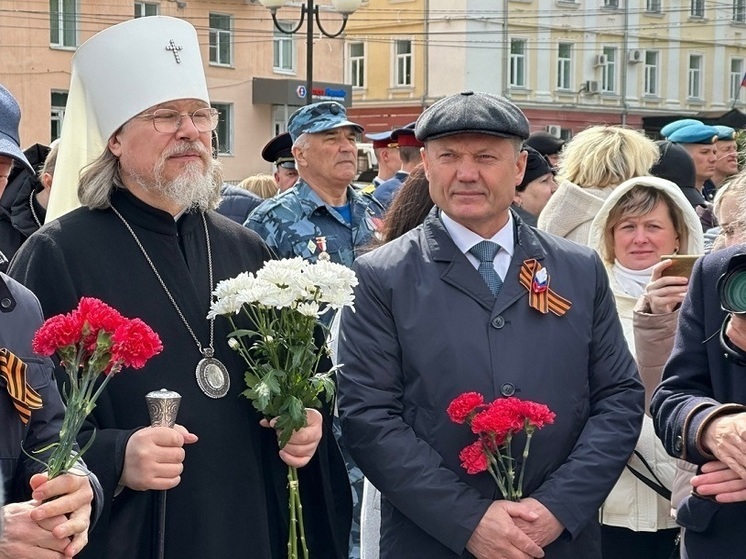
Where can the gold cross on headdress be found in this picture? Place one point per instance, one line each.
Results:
(175, 49)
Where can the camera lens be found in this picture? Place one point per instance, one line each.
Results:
(732, 288)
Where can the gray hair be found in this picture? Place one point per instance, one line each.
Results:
(98, 180)
(303, 141)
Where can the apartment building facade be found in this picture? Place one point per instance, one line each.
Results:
(567, 63)
(255, 74)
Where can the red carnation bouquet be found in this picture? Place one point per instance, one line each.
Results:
(91, 340)
(496, 425)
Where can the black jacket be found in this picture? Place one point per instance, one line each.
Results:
(17, 205)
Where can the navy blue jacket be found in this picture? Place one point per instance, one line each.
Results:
(698, 382)
(237, 203)
(425, 329)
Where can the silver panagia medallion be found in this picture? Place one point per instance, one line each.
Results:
(212, 377)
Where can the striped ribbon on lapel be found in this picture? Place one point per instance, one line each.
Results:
(13, 371)
(540, 297)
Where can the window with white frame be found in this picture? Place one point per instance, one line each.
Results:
(144, 9)
(403, 63)
(63, 23)
(611, 3)
(356, 56)
(223, 137)
(698, 8)
(283, 57)
(653, 6)
(736, 77)
(564, 66)
(651, 72)
(280, 115)
(58, 102)
(739, 11)
(608, 78)
(220, 39)
(694, 82)
(518, 63)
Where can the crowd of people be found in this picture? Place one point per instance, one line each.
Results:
(490, 260)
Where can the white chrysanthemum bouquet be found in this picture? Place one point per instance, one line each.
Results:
(285, 301)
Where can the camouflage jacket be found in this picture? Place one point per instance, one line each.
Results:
(297, 222)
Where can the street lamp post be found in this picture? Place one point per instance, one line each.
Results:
(309, 12)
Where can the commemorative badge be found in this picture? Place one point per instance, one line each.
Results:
(321, 246)
(535, 278)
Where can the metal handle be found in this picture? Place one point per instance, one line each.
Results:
(163, 406)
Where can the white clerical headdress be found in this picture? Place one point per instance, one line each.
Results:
(117, 74)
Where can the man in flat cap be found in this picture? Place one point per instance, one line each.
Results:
(279, 151)
(322, 216)
(473, 300)
(387, 156)
(409, 154)
(148, 242)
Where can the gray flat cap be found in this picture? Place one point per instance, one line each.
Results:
(472, 112)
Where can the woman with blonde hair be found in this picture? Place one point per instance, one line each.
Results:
(262, 185)
(591, 166)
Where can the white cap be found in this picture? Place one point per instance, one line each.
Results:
(117, 74)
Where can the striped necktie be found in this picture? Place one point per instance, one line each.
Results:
(485, 252)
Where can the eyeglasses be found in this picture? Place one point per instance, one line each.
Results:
(168, 121)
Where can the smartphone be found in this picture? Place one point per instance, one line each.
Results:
(682, 264)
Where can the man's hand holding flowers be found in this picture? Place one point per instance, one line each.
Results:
(303, 443)
(45, 528)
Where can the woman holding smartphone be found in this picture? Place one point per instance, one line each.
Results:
(642, 221)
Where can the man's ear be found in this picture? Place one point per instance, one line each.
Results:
(300, 157)
(115, 146)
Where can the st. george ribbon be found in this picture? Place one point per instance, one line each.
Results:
(163, 406)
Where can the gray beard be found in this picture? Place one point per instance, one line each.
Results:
(191, 189)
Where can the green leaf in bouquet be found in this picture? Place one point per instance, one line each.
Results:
(271, 381)
(243, 332)
(250, 379)
(261, 394)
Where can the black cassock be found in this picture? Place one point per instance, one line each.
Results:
(232, 499)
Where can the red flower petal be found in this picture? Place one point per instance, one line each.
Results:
(473, 458)
(463, 405)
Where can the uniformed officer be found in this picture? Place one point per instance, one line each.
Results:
(322, 216)
(409, 153)
(387, 156)
(699, 141)
(727, 157)
(279, 151)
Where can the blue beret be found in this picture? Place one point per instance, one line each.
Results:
(672, 127)
(694, 134)
(319, 117)
(380, 135)
(725, 132)
(472, 112)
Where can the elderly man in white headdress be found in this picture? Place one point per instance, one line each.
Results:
(146, 241)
